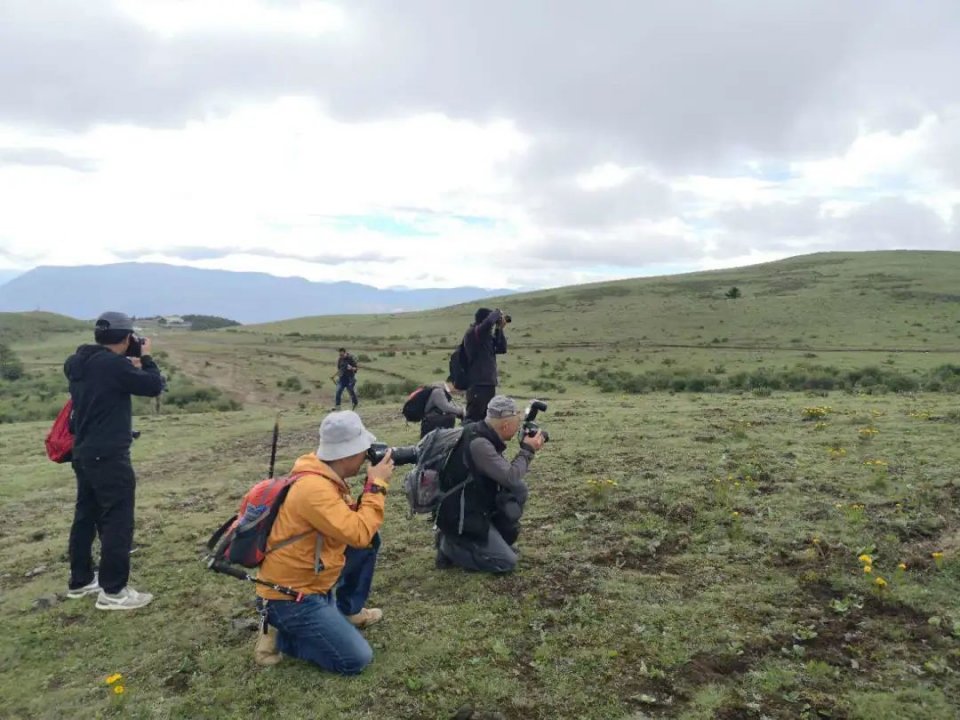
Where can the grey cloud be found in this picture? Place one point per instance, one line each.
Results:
(203, 253)
(686, 85)
(888, 223)
(45, 157)
(624, 248)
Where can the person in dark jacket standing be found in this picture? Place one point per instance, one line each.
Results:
(102, 380)
(440, 410)
(483, 341)
(478, 524)
(346, 377)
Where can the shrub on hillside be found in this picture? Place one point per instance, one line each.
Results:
(10, 366)
(208, 322)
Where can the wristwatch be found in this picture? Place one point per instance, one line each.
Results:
(375, 488)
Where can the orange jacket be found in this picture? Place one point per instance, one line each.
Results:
(319, 504)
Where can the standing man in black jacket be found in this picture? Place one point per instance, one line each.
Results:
(346, 377)
(483, 341)
(102, 379)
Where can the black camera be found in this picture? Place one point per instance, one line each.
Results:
(529, 427)
(135, 348)
(401, 455)
(507, 319)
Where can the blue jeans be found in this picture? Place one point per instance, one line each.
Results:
(348, 386)
(316, 628)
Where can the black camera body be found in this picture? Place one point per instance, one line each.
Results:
(135, 348)
(529, 427)
(401, 455)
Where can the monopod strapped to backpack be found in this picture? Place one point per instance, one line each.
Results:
(242, 540)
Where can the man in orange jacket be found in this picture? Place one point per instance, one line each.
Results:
(332, 560)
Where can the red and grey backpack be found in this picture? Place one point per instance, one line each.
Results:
(242, 540)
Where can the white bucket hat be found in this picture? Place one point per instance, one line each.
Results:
(342, 434)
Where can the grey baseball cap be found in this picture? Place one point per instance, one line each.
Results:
(342, 434)
(115, 321)
(502, 406)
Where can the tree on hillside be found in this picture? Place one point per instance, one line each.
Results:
(733, 293)
(208, 322)
(10, 366)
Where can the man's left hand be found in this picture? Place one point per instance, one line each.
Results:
(136, 362)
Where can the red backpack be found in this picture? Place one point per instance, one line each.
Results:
(59, 440)
(242, 540)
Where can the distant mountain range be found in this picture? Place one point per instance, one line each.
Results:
(149, 289)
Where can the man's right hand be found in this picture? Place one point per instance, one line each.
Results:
(382, 471)
(536, 442)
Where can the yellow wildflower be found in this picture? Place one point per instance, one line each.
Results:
(867, 569)
(902, 566)
(118, 690)
(113, 678)
(736, 514)
(865, 559)
(880, 582)
(816, 541)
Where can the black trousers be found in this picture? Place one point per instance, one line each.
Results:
(434, 420)
(478, 397)
(105, 499)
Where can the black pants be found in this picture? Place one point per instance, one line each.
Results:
(105, 500)
(478, 397)
(434, 420)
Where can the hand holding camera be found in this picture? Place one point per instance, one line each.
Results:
(138, 346)
(530, 432)
(534, 442)
(381, 472)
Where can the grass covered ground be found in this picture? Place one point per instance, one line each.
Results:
(688, 553)
(684, 556)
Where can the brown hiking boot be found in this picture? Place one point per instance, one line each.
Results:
(265, 652)
(366, 617)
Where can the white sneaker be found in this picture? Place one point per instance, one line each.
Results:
(126, 599)
(89, 589)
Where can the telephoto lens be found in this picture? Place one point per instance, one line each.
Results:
(401, 455)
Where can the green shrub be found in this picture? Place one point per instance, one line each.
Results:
(370, 389)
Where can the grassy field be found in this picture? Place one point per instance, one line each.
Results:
(686, 554)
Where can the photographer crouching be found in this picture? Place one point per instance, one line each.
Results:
(479, 523)
(324, 545)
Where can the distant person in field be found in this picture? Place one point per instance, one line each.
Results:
(102, 378)
(441, 411)
(333, 559)
(346, 377)
(479, 524)
(483, 341)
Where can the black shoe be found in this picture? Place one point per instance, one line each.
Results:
(443, 562)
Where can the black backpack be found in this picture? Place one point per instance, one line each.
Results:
(460, 367)
(415, 408)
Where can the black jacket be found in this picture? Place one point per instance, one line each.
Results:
(482, 348)
(101, 383)
(470, 511)
(346, 374)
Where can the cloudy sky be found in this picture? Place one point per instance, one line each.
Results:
(541, 142)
